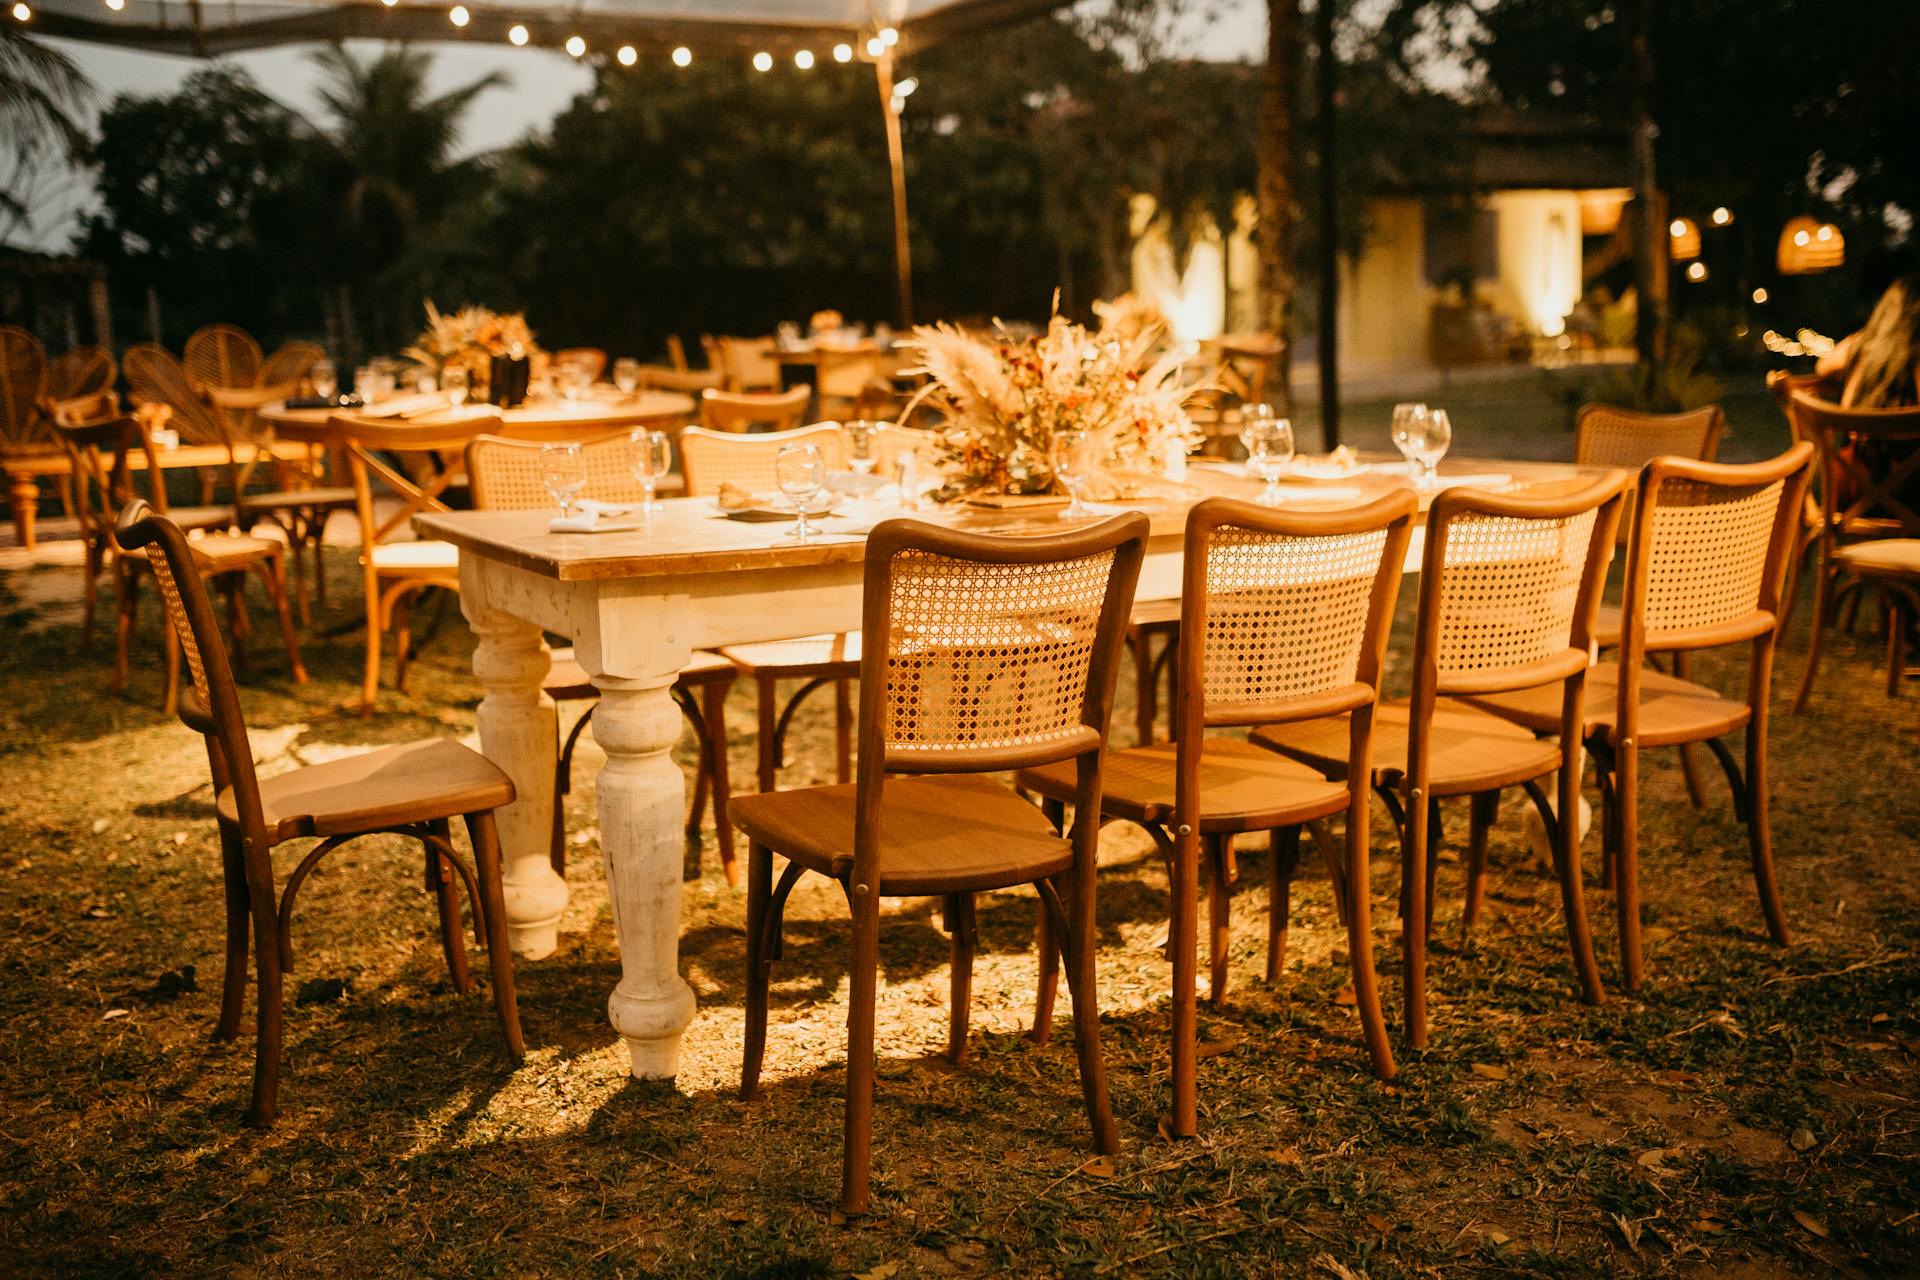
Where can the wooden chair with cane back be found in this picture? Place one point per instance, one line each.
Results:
(988, 654)
(1869, 533)
(714, 458)
(1509, 584)
(103, 490)
(1706, 560)
(751, 364)
(415, 790)
(286, 371)
(849, 383)
(745, 411)
(1292, 610)
(222, 356)
(505, 475)
(1781, 385)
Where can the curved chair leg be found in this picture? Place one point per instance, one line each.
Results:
(562, 788)
(713, 697)
(1689, 753)
(1484, 811)
(961, 925)
(1897, 618)
(370, 672)
(486, 863)
(272, 576)
(1219, 915)
(1759, 824)
(1822, 602)
(1047, 944)
(863, 979)
(440, 882)
(402, 637)
(233, 983)
(1086, 1014)
(1283, 859)
(1140, 646)
(1413, 917)
(170, 661)
(759, 965)
(269, 1007)
(843, 730)
(1566, 864)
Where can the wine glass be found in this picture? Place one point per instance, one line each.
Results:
(1404, 418)
(652, 457)
(326, 379)
(860, 436)
(574, 381)
(1071, 455)
(626, 375)
(563, 468)
(1269, 443)
(453, 381)
(801, 475)
(1428, 440)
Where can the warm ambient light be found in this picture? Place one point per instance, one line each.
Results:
(458, 15)
(1696, 271)
(889, 37)
(517, 34)
(843, 53)
(1684, 239)
(804, 59)
(627, 55)
(116, 5)
(763, 61)
(576, 46)
(907, 86)
(1721, 215)
(21, 13)
(1760, 296)
(876, 47)
(682, 56)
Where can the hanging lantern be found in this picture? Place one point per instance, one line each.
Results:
(1600, 211)
(1807, 247)
(1683, 239)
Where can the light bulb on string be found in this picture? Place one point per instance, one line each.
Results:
(843, 53)
(682, 56)
(628, 55)
(1721, 215)
(763, 61)
(459, 16)
(906, 87)
(22, 13)
(889, 37)
(875, 47)
(804, 59)
(517, 34)
(116, 5)
(1760, 297)
(576, 46)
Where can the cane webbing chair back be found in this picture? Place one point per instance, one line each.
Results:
(1607, 436)
(156, 378)
(506, 475)
(23, 368)
(750, 363)
(1859, 497)
(714, 458)
(289, 366)
(222, 356)
(1509, 585)
(81, 371)
(743, 411)
(846, 375)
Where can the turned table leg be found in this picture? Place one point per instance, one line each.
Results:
(23, 493)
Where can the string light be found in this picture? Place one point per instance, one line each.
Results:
(459, 16)
(1760, 297)
(517, 34)
(627, 55)
(875, 47)
(116, 5)
(763, 61)
(889, 37)
(1802, 239)
(1721, 215)
(843, 53)
(906, 87)
(1696, 271)
(804, 59)
(21, 13)
(576, 46)
(682, 56)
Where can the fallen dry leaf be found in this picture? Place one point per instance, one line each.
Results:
(1802, 1139)
(1487, 1071)
(885, 1271)
(1098, 1167)
(1810, 1222)
(1345, 996)
(1629, 1231)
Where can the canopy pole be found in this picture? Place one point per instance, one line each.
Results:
(1329, 223)
(897, 165)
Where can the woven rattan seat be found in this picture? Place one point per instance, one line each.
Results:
(1672, 711)
(390, 787)
(1472, 751)
(1242, 787)
(937, 835)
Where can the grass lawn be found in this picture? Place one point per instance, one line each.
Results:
(1752, 1112)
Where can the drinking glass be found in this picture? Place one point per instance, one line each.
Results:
(326, 379)
(652, 456)
(363, 383)
(1404, 418)
(1072, 457)
(1269, 444)
(382, 382)
(453, 381)
(574, 381)
(626, 375)
(1428, 439)
(801, 475)
(563, 468)
(860, 445)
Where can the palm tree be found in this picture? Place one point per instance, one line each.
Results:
(41, 90)
(1275, 185)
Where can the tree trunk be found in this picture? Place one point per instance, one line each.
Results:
(1275, 231)
(1329, 320)
(1649, 236)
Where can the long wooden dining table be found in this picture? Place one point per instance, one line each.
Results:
(638, 604)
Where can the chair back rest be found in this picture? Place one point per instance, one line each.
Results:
(1862, 490)
(100, 454)
(286, 370)
(744, 410)
(1606, 436)
(984, 653)
(377, 448)
(846, 375)
(23, 369)
(676, 352)
(155, 377)
(1509, 584)
(714, 458)
(211, 702)
(1708, 551)
(506, 475)
(81, 371)
(750, 363)
(592, 359)
(1285, 614)
(686, 381)
(223, 356)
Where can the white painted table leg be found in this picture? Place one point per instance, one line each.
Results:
(517, 732)
(642, 797)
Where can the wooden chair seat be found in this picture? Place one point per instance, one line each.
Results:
(940, 835)
(220, 551)
(1472, 750)
(1156, 613)
(807, 656)
(1883, 557)
(329, 497)
(567, 679)
(202, 517)
(1242, 787)
(411, 557)
(391, 787)
(1672, 711)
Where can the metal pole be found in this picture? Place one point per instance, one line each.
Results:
(896, 163)
(1329, 222)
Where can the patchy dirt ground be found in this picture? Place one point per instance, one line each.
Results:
(1752, 1113)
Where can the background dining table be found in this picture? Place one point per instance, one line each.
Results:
(548, 419)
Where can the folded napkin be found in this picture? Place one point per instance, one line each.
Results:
(593, 517)
(397, 406)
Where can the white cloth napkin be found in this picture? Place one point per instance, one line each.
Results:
(593, 517)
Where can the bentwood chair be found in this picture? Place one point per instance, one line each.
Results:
(1292, 611)
(505, 475)
(1869, 533)
(751, 364)
(1705, 563)
(216, 556)
(1508, 588)
(744, 411)
(414, 790)
(989, 654)
(746, 462)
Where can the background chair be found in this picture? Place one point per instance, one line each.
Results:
(80, 372)
(284, 373)
(989, 654)
(850, 384)
(23, 438)
(754, 410)
(751, 364)
(506, 475)
(408, 790)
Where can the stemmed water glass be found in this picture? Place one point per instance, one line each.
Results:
(1269, 444)
(1072, 458)
(860, 435)
(652, 456)
(801, 474)
(1405, 419)
(326, 379)
(626, 375)
(1424, 438)
(574, 381)
(563, 468)
(453, 381)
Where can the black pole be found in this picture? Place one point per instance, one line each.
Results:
(1329, 251)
